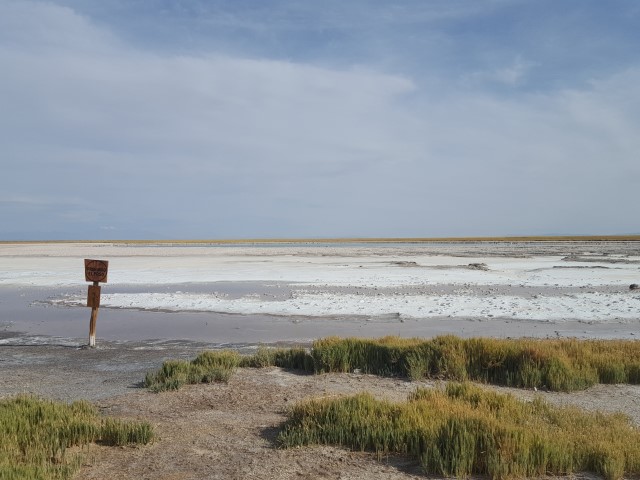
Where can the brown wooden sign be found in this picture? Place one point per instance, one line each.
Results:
(93, 297)
(95, 270)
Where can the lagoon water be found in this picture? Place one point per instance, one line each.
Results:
(269, 293)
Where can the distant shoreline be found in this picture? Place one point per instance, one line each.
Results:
(258, 241)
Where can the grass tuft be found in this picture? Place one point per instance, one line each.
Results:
(291, 358)
(465, 430)
(207, 367)
(35, 435)
(558, 365)
(118, 433)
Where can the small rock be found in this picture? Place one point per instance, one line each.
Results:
(478, 266)
(634, 286)
(405, 264)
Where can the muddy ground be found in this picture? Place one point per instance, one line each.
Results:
(223, 431)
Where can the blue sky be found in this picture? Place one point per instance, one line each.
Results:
(161, 119)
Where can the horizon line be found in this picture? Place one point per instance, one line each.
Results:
(232, 241)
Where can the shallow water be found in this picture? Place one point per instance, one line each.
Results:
(26, 310)
(250, 294)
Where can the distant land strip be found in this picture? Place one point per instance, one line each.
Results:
(550, 238)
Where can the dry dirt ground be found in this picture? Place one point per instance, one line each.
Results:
(222, 431)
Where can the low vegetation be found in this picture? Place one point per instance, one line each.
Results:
(290, 358)
(466, 430)
(35, 436)
(559, 365)
(207, 367)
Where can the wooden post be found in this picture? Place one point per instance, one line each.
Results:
(94, 315)
(94, 271)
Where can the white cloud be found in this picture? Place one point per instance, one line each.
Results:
(130, 99)
(214, 144)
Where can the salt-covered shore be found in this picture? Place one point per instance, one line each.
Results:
(191, 293)
(564, 283)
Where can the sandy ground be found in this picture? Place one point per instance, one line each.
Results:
(182, 300)
(224, 431)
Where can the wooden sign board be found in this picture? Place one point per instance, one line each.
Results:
(93, 297)
(95, 270)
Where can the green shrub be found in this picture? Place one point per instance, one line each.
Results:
(35, 435)
(291, 358)
(207, 367)
(465, 430)
(561, 365)
(227, 359)
(118, 433)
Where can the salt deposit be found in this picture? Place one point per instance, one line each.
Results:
(323, 281)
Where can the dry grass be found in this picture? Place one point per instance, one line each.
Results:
(35, 435)
(218, 366)
(466, 430)
(562, 365)
(463, 430)
(559, 365)
(207, 367)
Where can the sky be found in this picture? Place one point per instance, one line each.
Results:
(220, 119)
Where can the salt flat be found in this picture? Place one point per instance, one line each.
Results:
(537, 282)
(238, 297)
